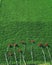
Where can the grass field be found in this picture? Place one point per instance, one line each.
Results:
(26, 10)
(38, 64)
(26, 20)
(17, 31)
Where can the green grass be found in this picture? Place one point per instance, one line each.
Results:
(25, 20)
(35, 63)
(26, 10)
(14, 32)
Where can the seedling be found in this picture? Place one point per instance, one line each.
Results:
(32, 41)
(23, 55)
(10, 55)
(15, 45)
(24, 44)
(47, 46)
(9, 46)
(24, 47)
(44, 56)
(6, 59)
(24, 60)
(20, 51)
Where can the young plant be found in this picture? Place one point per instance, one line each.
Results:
(9, 46)
(47, 46)
(23, 59)
(6, 59)
(20, 53)
(32, 41)
(10, 55)
(15, 46)
(44, 56)
(23, 53)
(24, 46)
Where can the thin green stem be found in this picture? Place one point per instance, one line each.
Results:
(15, 57)
(44, 55)
(6, 59)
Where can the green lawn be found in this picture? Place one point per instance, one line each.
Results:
(16, 31)
(26, 10)
(25, 20)
(37, 64)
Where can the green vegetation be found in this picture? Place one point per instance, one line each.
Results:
(26, 20)
(14, 32)
(26, 10)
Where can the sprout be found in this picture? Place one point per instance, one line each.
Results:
(10, 54)
(47, 46)
(32, 41)
(24, 45)
(20, 51)
(21, 54)
(6, 59)
(41, 46)
(9, 46)
(15, 46)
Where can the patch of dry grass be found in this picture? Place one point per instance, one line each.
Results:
(45, 64)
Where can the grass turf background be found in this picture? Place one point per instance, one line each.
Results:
(25, 20)
(26, 10)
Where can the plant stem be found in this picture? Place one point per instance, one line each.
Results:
(20, 58)
(10, 61)
(15, 57)
(6, 59)
(31, 54)
(7, 49)
(24, 49)
(44, 55)
(49, 54)
(24, 59)
(23, 55)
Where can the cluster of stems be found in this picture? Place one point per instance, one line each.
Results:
(22, 54)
